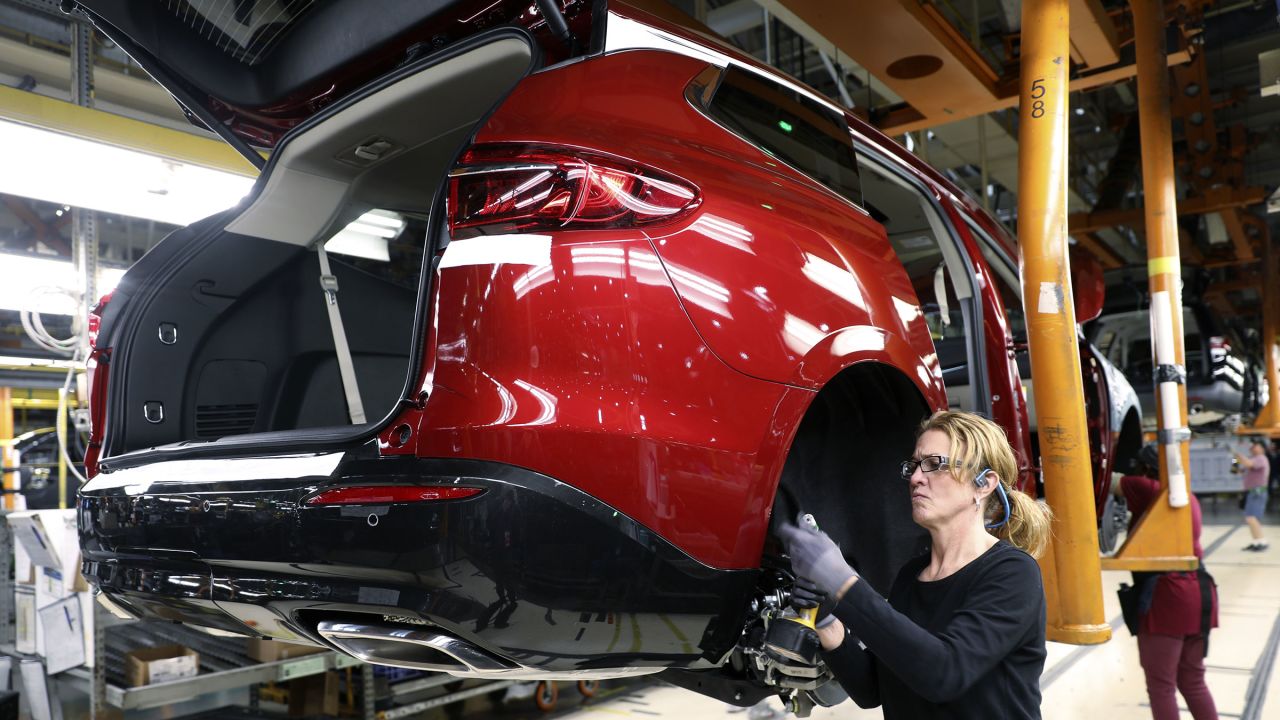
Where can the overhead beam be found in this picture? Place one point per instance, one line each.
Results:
(909, 118)
(1250, 282)
(1235, 230)
(1188, 246)
(1099, 249)
(63, 117)
(53, 71)
(1094, 40)
(1215, 202)
(1221, 305)
(905, 44)
(44, 233)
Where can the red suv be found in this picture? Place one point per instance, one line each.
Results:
(531, 321)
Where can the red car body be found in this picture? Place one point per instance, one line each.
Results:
(665, 370)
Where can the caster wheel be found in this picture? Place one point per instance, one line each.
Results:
(546, 695)
(588, 688)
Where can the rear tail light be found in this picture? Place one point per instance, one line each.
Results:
(520, 188)
(388, 494)
(96, 371)
(95, 319)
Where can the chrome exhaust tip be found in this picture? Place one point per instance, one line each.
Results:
(424, 649)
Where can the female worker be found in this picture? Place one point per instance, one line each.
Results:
(962, 635)
(1175, 610)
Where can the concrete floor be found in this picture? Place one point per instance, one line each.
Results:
(1103, 681)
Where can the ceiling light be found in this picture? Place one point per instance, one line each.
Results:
(75, 172)
(367, 235)
(20, 275)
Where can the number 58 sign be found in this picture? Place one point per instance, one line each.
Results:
(1037, 93)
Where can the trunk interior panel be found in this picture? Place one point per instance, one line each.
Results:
(227, 335)
(254, 351)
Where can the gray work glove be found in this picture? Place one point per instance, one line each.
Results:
(814, 556)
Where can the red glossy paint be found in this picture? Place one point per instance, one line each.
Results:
(727, 281)
(665, 371)
(583, 366)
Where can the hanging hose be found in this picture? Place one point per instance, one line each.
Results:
(62, 430)
(31, 322)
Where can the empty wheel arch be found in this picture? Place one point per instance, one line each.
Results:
(843, 468)
(1113, 520)
(1128, 442)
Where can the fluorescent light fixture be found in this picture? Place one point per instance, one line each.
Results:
(383, 218)
(367, 235)
(20, 275)
(68, 170)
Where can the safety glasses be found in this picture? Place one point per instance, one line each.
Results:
(927, 463)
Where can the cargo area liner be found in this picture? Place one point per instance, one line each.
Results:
(313, 186)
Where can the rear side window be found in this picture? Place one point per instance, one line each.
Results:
(790, 126)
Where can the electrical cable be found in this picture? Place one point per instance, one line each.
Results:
(62, 426)
(34, 326)
(29, 314)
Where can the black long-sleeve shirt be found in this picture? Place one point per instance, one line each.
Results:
(970, 645)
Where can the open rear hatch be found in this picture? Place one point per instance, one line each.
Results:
(229, 334)
(252, 70)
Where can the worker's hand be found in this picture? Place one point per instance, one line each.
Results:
(806, 595)
(816, 557)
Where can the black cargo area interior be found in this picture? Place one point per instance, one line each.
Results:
(224, 331)
(240, 342)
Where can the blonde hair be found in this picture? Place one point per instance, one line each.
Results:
(977, 444)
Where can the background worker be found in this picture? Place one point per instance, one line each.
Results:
(962, 633)
(1176, 609)
(1257, 470)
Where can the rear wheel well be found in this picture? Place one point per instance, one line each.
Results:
(1128, 442)
(843, 468)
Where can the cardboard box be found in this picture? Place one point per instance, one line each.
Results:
(160, 664)
(314, 695)
(272, 650)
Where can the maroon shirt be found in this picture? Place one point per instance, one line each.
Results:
(1175, 607)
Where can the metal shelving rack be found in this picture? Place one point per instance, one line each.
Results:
(223, 662)
(224, 666)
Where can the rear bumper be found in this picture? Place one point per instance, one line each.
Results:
(532, 571)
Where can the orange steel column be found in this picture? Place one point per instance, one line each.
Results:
(1268, 420)
(6, 435)
(1072, 575)
(1161, 540)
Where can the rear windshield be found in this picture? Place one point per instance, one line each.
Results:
(244, 29)
(790, 126)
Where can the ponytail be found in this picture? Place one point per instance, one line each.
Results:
(1029, 522)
